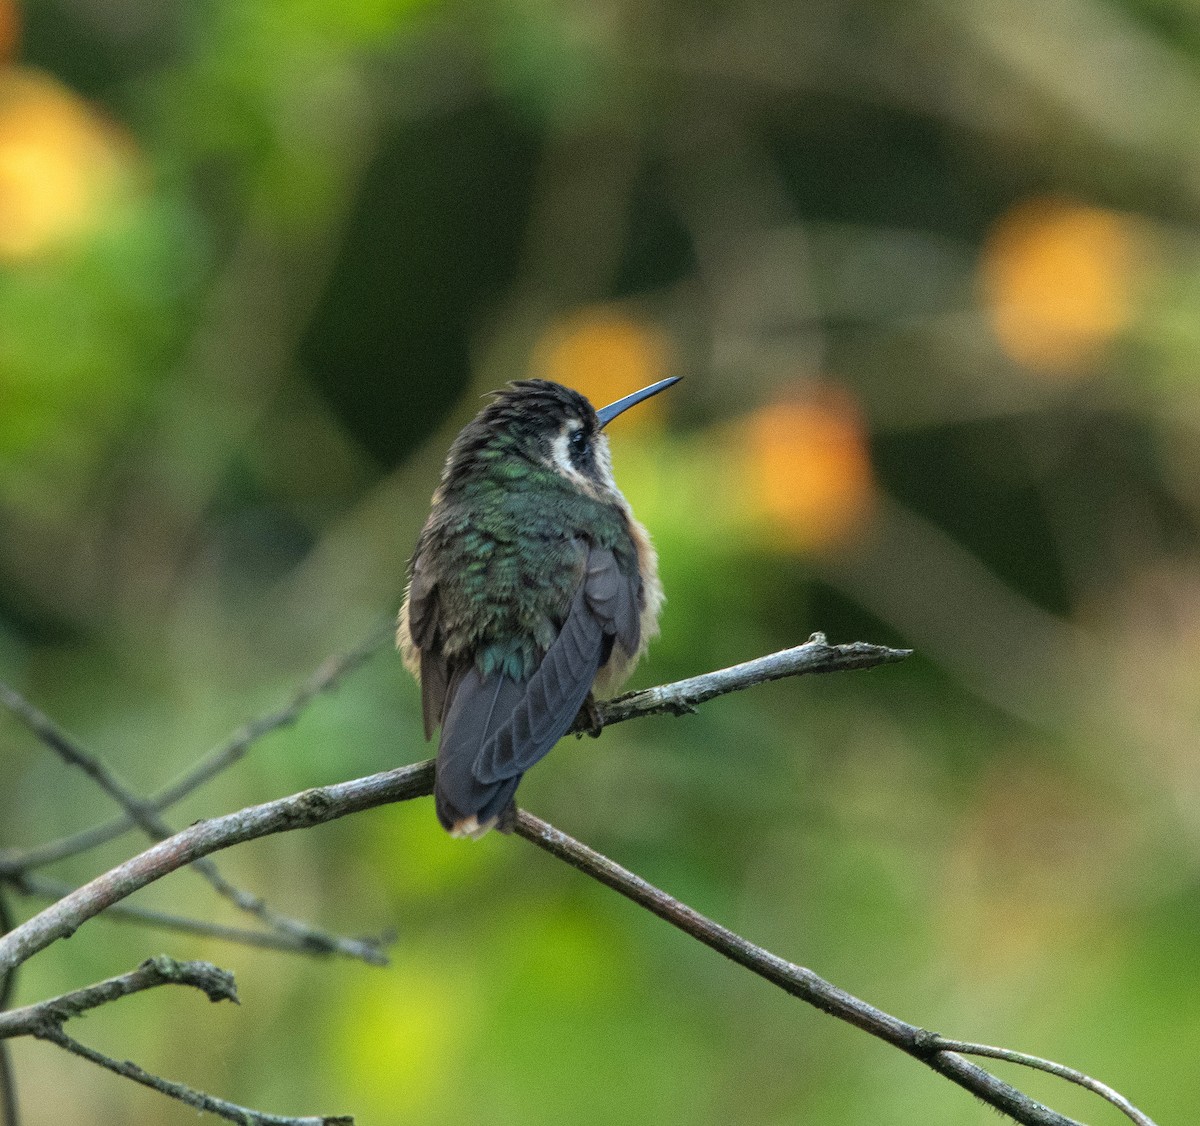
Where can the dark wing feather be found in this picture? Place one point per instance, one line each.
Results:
(550, 701)
(424, 626)
(614, 598)
(478, 706)
(422, 605)
(557, 690)
(435, 675)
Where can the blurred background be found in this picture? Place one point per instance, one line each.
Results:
(932, 273)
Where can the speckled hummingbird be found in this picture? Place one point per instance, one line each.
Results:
(532, 588)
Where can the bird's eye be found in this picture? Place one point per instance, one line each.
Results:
(578, 440)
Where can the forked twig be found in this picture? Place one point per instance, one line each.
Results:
(1070, 1074)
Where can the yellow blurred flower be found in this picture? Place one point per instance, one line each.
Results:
(1058, 280)
(605, 354)
(60, 163)
(807, 468)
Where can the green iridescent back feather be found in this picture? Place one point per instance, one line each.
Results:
(507, 542)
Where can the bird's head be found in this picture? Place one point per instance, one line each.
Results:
(548, 425)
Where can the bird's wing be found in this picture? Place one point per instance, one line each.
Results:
(528, 719)
(435, 674)
(424, 629)
(614, 598)
(478, 705)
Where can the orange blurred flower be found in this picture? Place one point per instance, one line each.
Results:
(60, 163)
(808, 468)
(1058, 280)
(605, 354)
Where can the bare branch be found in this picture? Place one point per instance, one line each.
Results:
(32, 1020)
(45, 1021)
(30, 884)
(941, 1055)
(156, 828)
(1070, 1074)
(327, 677)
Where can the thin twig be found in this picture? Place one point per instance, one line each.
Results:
(32, 884)
(157, 829)
(1070, 1074)
(796, 980)
(216, 984)
(8, 980)
(303, 934)
(327, 677)
(8, 1079)
(327, 803)
(200, 1100)
(816, 655)
(8, 1089)
(51, 735)
(45, 1021)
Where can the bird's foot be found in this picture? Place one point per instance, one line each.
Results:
(590, 720)
(507, 821)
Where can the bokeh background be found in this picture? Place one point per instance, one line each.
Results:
(932, 273)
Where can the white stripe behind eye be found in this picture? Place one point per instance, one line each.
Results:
(561, 457)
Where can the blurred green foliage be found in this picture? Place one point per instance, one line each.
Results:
(931, 271)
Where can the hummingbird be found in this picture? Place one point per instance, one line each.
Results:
(533, 589)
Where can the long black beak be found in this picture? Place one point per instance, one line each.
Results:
(608, 413)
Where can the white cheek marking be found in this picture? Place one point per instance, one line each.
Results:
(560, 459)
